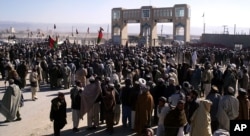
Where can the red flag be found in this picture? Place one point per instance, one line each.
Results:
(100, 35)
(52, 43)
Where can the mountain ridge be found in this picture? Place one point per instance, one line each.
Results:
(93, 28)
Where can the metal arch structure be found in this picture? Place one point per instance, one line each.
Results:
(148, 17)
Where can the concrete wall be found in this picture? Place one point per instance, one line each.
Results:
(226, 39)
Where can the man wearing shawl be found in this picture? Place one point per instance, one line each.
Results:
(89, 96)
(201, 120)
(228, 109)
(58, 113)
(244, 105)
(144, 108)
(175, 121)
(81, 74)
(75, 95)
(194, 58)
(93, 112)
(109, 107)
(214, 97)
(9, 106)
(162, 110)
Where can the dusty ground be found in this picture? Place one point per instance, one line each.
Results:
(35, 117)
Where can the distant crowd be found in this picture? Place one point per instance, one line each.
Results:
(178, 88)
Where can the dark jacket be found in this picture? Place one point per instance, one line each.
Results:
(134, 96)
(124, 95)
(58, 112)
(75, 95)
(190, 108)
(171, 89)
(159, 91)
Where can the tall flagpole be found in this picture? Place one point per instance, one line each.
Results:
(54, 30)
(204, 24)
(47, 32)
(86, 34)
(73, 34)
(76, 36)
(108, 32)
(234, 29)
(161, 34)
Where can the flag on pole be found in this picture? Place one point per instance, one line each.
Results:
(54, 26)
(52, 42)
(76, 31)
(88, 30)
(56, 43)
(100, 35)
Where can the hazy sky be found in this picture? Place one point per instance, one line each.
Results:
(217, 12)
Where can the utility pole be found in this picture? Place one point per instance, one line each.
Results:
(204, 28)
(161, 34)
(204, 24)
(225, 29)
(234, 29)
(108, 33)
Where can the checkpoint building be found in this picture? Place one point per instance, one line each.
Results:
(148, 17)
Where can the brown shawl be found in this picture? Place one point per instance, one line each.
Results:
(244, 107)
(88, 97)
(144, 108)
(174, 120)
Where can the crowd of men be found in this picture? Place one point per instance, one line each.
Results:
(171, 87)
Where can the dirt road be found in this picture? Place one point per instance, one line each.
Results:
(35, 117)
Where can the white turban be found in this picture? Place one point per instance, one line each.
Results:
(143, 85)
